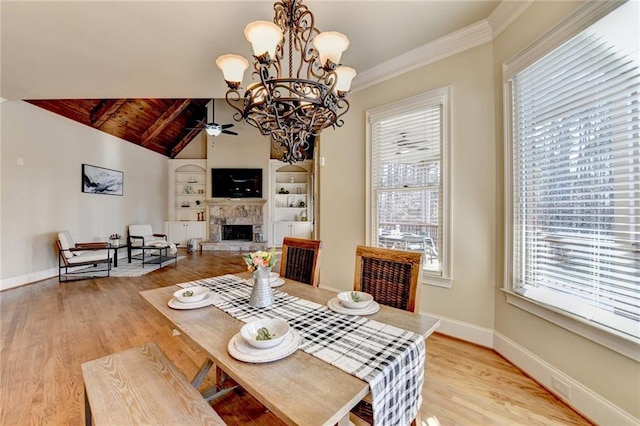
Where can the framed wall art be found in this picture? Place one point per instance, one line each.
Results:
(98, 180)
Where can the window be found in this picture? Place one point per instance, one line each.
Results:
(408, 179)
(574, 147)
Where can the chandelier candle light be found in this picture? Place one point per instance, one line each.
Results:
(291, 108)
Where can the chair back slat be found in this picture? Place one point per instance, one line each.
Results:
(388, 282)
(390, 276)
(297, 267)
(300, 259)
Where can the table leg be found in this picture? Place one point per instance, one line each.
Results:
(204, 369)
(87, 410)
(216, 391)
(115, 258)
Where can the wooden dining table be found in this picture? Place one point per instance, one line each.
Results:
(300, 389)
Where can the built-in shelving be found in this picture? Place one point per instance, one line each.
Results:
(187, 192)
(291, 201)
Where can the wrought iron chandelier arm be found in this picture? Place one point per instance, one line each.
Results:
(234, 100)
(343, 107)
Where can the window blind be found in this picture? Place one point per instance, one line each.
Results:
(406, 173)
(576, 182)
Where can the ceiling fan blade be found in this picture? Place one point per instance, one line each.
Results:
(229, 132)
(226, 126)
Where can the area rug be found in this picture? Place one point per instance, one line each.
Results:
(134, 269)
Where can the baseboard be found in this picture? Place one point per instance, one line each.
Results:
(21, 280)
(576, 395)
(465, 331)
(573, 393)
(32, 277)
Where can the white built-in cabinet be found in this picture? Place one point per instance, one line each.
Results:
(182, 231)
(187, 192)
(291, 201)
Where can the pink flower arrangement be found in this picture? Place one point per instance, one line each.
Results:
(260, 259)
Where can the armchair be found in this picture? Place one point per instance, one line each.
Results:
(142, 236)
(72, 256)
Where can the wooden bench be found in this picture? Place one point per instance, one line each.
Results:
(141, 386)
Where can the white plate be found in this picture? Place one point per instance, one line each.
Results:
(277, 283)
(243, 351)
(209, 299)
(335, 305)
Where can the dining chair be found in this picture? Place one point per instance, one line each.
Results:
(392, 277)
(300, 259)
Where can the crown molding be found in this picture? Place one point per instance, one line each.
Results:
(505, 13)
(466, 38)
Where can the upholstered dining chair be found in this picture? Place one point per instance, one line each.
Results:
(392, 277)
(300, 259)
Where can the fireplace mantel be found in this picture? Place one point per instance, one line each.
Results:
(234, 201)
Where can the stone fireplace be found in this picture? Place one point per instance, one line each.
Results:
(235, 224)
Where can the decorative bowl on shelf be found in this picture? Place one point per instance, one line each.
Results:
(191, 294)
(265, 333)
(355, 299)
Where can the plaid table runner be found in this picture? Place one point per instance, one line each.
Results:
(390, 359)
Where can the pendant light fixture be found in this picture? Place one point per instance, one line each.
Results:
(299, 87)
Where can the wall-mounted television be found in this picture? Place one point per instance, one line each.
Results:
(236, 183)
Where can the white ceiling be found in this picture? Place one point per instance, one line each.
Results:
(167, 49)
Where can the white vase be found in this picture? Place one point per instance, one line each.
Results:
(261, 294)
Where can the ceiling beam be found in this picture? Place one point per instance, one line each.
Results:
(188, 138)
(166, 118)
(105, 109)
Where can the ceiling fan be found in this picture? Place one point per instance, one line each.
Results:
(213, 128)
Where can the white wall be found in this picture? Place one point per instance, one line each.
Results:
(473, 190)
(43, 196)
(197, 148)
(604, 384)
(605, 372)
(248, 149)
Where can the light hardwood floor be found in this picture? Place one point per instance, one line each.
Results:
(48, 329)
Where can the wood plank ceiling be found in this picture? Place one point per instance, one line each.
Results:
(165, 126)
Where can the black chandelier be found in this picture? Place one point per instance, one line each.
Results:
(294, 108)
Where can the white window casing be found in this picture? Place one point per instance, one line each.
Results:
(408, 180)
(572, 176)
